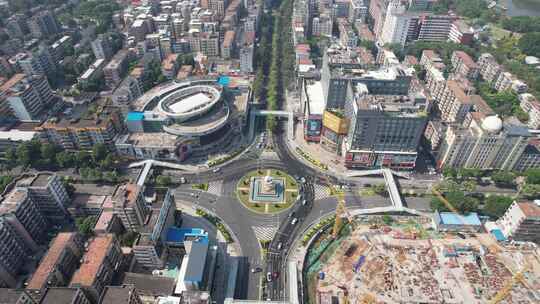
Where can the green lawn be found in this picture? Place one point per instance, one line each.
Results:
(242, 191)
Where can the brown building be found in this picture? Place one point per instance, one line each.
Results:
(464, 66)
(128, 204)
(83, 132)
(453, 103)
(99, 264)
(60, 295)
(60, 262)
(125, 294)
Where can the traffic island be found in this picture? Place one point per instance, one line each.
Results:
(267, 191)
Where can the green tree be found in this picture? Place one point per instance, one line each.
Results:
(163, 180)
(531, 191)
(83, 158)
(496, 205)
(504, 178)
(65, 159)
(449, 172)
(458, 200)
(380, 189)
(108, 162)
(529, 44)
(387, 219)
(11, 158)
(533, 176)
(99, 152)
(48, 153)
(110, 176)
(4, 181)
(24, 155)
(85, 225)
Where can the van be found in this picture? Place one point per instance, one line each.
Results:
(269, 276)
(294, 221)
(304, 202)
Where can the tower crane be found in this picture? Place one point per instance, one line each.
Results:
(341, 209)
(517, 277)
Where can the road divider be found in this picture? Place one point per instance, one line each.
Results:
(310, 159)
(216, 222)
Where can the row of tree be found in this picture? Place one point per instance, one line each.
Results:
(47, 156)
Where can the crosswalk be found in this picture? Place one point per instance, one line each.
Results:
(264, 233)
(321, 191)
(215, 188)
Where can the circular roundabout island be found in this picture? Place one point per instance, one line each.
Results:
(267, 191)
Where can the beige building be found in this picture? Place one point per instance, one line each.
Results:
(464, 66)
(453, 103)
(129, 205)
(488, 143)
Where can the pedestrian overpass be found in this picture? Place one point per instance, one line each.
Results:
(391, 186)
(289, 115)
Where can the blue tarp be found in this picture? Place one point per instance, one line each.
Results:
(450, 218)
(224, 80)
(135, 116)
(497, 233)
(178, 235)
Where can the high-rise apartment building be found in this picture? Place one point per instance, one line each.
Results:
(99, 265)
(384, 130)
(16, 26)
(85, 132)
(453, 103)
(26, 95)
(487, 143)
(22, 229)
(43, 24)
(101, 47)
(521, 222)
(339, 70)
(49, 194)
(114, 71)
(464, 66)
(129, 205)
(60, 262)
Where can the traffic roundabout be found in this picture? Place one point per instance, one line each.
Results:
(267, 191)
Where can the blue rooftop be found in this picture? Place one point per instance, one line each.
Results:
(135, 116)
(497, 233)
(224, 80)
(451, 218)
(178, 235)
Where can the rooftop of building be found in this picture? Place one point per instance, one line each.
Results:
(126, 194)
(9, 296)
(104, 220)
(315, 96)
(452, 218)
(94, 116)
(117, 59)
(41, 180)
(118, 294)
(458, 92)
(12, 200)
(50, 261)
(94, 258)
(59, 295)
(228, 39)
(147, 284)
(413, 105)
(151, 140)
(17, 135)
(169, 62)
(530, 209)
(13, 81)
(465, 58)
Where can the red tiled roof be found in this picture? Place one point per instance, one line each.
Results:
(92, 260)
(530, 209)
(467, 60)
(49, 262)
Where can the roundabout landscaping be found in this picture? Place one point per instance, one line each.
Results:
(267, 191)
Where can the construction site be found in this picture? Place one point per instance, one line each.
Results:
(404, 260)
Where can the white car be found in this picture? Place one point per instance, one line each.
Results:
(216, 170)
(294, 221)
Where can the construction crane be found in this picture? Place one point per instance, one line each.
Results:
(341, 209)
(518, 277)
